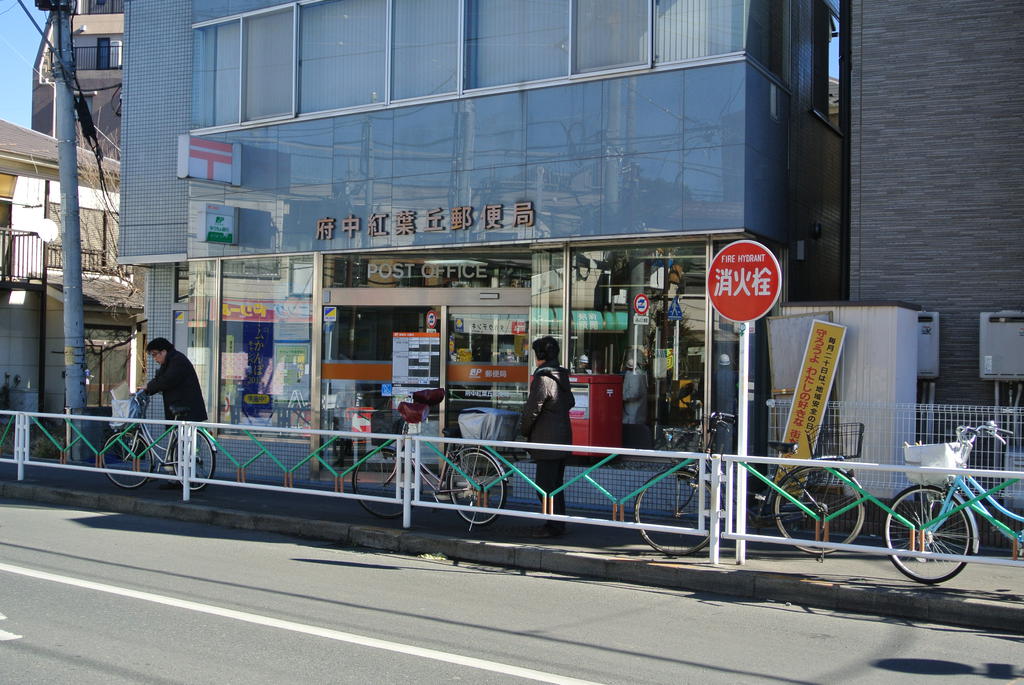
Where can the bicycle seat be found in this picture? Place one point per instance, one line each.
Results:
(784, 447)
(179, 411)
(413, 412)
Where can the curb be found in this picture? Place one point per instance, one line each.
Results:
(909, 604)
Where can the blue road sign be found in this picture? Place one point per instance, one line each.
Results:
(675, 312)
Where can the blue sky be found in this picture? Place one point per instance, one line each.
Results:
(19, 41)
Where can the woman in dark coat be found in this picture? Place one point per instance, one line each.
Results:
(545, 418)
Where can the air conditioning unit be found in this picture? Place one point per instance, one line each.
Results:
(928, 345)
(1001, 346)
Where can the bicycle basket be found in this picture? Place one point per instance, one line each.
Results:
(487, 423)
(946, 455)
(132, 408)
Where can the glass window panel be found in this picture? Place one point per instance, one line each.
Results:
(266, 326)
(202, 285)
(107, 360)
(342, 53)
(510, 41)
(268, 65)
(425, 52)
(663, 359)
(215, 84)
(546, 311)
(610, 33)
(687, 29)
(767, 35)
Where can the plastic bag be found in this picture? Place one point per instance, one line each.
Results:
(946, 455)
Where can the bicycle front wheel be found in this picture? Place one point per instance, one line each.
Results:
(376, 476)
(131, 459)
(824, 493)
(675, 500)
(956, 534)
(478, 480)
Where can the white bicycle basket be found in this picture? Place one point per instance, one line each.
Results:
(945, 455)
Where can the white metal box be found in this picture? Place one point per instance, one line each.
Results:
(1001, 345)
(928, 345)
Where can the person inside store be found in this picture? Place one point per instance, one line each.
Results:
(583, 365)
(635, 433)
(177, 380)
(545, 418)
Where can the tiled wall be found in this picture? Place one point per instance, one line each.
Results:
(157, 80)
(938, 212)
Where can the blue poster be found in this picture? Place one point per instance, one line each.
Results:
(257, 402)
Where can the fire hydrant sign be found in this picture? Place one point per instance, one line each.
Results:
(744, 281)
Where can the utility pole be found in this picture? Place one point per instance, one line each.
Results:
(71, 242)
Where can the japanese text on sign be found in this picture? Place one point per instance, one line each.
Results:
(438, 220)
(744, 281)
(814, 385)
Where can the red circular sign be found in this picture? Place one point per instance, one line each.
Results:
(431, 319)
(641, 304)
(744, 281)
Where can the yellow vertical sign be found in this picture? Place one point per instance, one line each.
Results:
(813, 387)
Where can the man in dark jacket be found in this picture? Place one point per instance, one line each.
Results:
(545, 418)
(176, 379)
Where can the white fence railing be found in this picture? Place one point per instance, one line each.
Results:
(409, 472)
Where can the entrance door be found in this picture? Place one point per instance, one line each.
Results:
(488, 358)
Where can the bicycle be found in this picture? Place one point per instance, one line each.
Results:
(468, 475)
(941, 509)
(814, 503)
(819, 504)
(668, 498)
(133, 453)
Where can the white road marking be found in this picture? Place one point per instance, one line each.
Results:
(4, 635)
(351, 638)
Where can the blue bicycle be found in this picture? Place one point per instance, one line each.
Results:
(942, 509)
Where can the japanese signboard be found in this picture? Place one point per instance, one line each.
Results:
(416, 362)
(814, 385)
(408, 222)
(219, 225)
(209, 160)
(744, 281)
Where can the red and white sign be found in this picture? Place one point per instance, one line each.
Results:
(744, 281)
(641, 305)
(431, 319)
(209, 160)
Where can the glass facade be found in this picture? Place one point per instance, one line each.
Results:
(662, 153)
(440, 48)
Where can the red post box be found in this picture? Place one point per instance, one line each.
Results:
(597, 416)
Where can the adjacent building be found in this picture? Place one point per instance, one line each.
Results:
(31, 277)
(937, 216)
(98, 39)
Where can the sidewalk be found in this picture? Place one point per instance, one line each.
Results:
(982, 596)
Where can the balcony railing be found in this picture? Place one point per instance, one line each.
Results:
(102, 57)
(101, 7)
(93, 261)
(21, 256)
